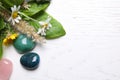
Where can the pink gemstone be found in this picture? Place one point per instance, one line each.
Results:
(5, 69)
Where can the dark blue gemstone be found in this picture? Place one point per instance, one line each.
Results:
(30, 60)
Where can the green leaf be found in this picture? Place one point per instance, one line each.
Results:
(5, 30)
(2, 24)
(10, 3)
(56, 30)
(43, 1)
(36, 25)
(38, 1)
(1, 49)
(3, 33)
(35, 8)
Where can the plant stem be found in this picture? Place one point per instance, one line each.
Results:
(3, 8)
(28, 17)
(4, 13)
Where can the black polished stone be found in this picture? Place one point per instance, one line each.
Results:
(30, 60)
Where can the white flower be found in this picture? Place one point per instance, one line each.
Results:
(45, 26)
(14, 16)
(41, 31)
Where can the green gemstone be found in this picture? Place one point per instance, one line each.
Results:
(23, 44)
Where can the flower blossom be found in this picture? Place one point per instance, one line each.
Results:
(15, 18)
(8, 40)
(45, 26)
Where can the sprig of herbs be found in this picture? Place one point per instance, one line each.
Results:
(31, 16)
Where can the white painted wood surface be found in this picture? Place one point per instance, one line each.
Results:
(89, 51)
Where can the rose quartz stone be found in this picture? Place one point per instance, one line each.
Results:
(5, 69)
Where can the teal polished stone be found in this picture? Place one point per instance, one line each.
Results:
(23, 44)
(30, 61)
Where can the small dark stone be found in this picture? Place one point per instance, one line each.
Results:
(30, 60)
